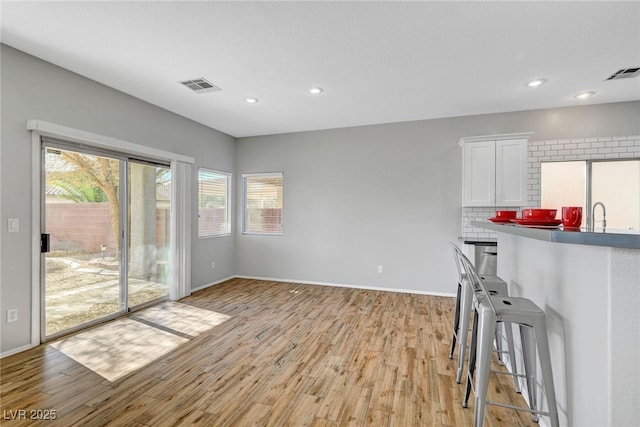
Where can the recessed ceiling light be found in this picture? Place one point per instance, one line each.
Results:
(251, 100)
(536, 82)
(584, 95)
(315, 90)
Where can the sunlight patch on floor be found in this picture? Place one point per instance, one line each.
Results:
(118, 348)
(182, 318)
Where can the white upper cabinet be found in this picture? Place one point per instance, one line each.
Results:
(494, 170)
(479, 173)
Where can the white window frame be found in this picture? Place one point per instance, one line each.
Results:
(244, 202)
(228, 203)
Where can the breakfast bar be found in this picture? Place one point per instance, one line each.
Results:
(588, 283)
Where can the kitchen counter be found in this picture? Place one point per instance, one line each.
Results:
(488, 241)
(613, 238)
(588, 285)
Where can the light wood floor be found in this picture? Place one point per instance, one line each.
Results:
(288, 354)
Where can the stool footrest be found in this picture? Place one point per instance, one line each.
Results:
(517, 408)
(495, 371)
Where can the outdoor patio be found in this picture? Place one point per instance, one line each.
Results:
(83, 287)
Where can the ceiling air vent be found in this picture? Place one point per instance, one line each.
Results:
(625, 73)
(201, 85)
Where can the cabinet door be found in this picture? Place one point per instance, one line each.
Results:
(478, 188)
(511, 172)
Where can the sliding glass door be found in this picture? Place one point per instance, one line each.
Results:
(148, 246)
(105, 236)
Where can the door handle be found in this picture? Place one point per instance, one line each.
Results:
(45, 245)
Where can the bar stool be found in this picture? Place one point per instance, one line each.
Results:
(464, 302)
(533, 330)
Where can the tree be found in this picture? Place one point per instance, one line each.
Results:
(87, 178)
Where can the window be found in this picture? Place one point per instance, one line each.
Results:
(616, 183)
(262, 203)
(213, 203)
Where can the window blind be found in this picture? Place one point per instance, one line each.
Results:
(262, 203)
(213, 203)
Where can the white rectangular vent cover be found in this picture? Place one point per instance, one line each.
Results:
(201, 85)
(625, 73)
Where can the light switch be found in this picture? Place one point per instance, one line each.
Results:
(13, 225)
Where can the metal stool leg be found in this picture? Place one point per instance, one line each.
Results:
(512, 355)
(542, 341)
(472, 360)
(466, 300)
(529, 357)
(486, 330)
(498, 339)
(456, 323)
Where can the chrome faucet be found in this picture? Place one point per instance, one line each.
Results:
(593, 216)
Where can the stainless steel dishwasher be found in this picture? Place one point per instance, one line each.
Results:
(486, 258)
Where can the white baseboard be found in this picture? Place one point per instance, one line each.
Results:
(342, 285)
(17, 350)
(208, 285)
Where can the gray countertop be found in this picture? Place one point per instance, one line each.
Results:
(488, 241)
(613, 238)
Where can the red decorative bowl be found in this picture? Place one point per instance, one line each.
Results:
(537, 213)
(506, 214)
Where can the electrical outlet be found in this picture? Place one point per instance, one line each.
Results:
(213, 265)
(380, 269)
(13, 225)
(12, 315)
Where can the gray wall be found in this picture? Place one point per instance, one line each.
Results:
(355, 198)
(34, 89)
(388, 195)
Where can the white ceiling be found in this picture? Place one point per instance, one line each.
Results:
(378, 62)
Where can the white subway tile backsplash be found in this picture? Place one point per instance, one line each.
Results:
(553, 150)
